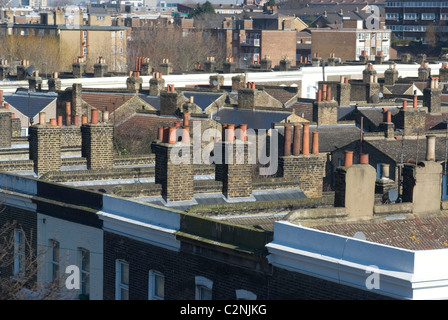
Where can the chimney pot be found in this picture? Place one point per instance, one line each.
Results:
(348, 158)
(172, 135)
(364, 158)
(186, 135)
(296, 141)
(287, 145)
(42, 118)
(315, 147)
(430, 147)
(306, 139)
(94, 119)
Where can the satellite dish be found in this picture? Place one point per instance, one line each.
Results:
(381, 95)
(29, 70)
(359, 235)
(215, 83)
(392, 195)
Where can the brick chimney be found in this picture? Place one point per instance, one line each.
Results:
(4, 69)
(325, 108)
(166, 67)
(176, 176)
(35, 82)
(387, 126)
(97, 143)
(210, 64)
(170, 101)
(76, 102)
(316, 61)
(306, 169)
(411, 120)
(343, 90)
(424, 72)
(100, 68)
(134, 82)
(6, 129)
(237, 82)
(247, 96)
(79, 67)
(21, 70)
(45, 146)
(54, 83)
(156, 84)
(232, 165)
(216, 81)
(146, 66)
(229, 65)
(432, 96)
(355, 187)
(266, 63)
(285, 64)
(390, 75)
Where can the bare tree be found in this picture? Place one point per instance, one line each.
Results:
(183, 49)
(19, 264)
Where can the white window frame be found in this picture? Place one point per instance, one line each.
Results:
(153, 281)
(119, 285)
(55, 260)
(203, 284)
(84, 255)
(19, 253)
(245, 295)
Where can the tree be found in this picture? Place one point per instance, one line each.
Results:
(206, 8)
(267, 4)
(182, 49)
(19, 263)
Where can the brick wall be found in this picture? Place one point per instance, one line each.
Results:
(97, 145)
(307, 170)
(228, 270)
(6, 130)
(45, 148)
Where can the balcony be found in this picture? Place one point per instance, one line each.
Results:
(251, 43)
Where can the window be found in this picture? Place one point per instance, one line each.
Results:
(19, 253)
(392, 16)
(84, 263)
(120, 50)
(156, 286)
(84, 34)
(121, 34)
(410, 16)
(245, 295)
(122, 280)
(54, 260)
(84, 51)
(203, 290)
(100, 18)
(367, 36)
(361, 36)
(428, 16)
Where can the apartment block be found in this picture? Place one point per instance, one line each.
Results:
(351, 42)
(414, 19)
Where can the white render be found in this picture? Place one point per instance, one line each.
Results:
(403, 274)
(71, 237)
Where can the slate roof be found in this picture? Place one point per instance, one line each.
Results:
(105, 100)
(203, 99)
(402, 89)
(332, 137)
(372, 114)
(30, 103)
(286, 95)
(258, 119)
(424, 233)
(412, 148)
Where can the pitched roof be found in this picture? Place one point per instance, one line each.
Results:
(255, 119)
(30, 103)
(203, 99)
(106, 101)
(424, 233)
(411, 148)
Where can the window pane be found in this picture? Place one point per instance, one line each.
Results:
(159, 287)
(85, 283)
(124, 294)
(124, 273)
(205, 293)
(85, 260)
